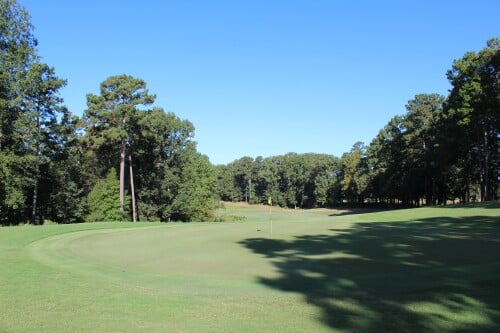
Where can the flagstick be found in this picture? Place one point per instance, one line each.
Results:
(270, 202)
(271, 219)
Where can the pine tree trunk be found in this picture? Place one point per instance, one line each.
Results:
(37, 174)
(487, 185)
(122, 177)
(35, 199)
(249, 190)
(132, 189)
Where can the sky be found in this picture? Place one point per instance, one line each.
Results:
(264, 78)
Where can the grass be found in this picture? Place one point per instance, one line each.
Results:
(426, 269)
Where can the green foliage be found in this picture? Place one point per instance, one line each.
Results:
(229, 218)
(17, 53)
(351, 163)
(226, 188)
(51, 162)
(15, 181)
(440, 150)
(196, 200)
(112, 116)
(171, 181)
(110, 124)
(472, 114)
(35, 130)
(292, 180)
(104, 200)
(162, 138)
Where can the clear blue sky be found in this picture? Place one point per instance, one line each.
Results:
(263, 78)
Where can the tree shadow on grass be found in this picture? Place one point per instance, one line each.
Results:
(353, 211)
(432, 275)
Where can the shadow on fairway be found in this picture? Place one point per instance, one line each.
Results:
(432, 275)
(352, 211)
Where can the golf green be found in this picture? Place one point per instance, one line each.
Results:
(428, 269)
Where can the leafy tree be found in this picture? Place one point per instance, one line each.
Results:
(47, 170)
(17, 53)
(111, 117)
(227, 189)
(31, 114)
(384, 158)
(237, 180)
(243, 173)
(293, 174)
(421, 140)
(15, 182)
(161, 138)
(268, 181)
(104, 200)
(162, 147)
(68, 201)
(350, 163)
(291, 180)
(324, 180)
(41, 108)
(196, 199)
(439, 150)
(473, 106)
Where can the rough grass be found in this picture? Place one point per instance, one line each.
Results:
(427, 269)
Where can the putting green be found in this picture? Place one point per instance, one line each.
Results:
(203, 265)
(206, 255)
(430, 269)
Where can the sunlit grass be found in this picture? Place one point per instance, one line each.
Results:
(427, 269)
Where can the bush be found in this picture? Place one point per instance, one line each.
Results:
(104, 199)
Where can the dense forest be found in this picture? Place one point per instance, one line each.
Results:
(124, 159)
(442, 149)
(127, 159)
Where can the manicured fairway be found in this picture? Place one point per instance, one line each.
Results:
(428, 269)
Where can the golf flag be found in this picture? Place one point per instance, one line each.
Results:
(270, 202)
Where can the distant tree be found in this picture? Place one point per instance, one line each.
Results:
(237, 180)
(473, 105)
(111, 116)
(268, 181)
(384, 158)
(32, 117)
(160, 139)
(66, 183)
(104, 200)
(421, 139)
(39, 123)
(441, 149)
(227, 189)
(15, 181)
(196, 197)
(350, 164)
(244, 173)
(52, 163)
(324, 180)
(291, 180)
(294, 169)
(17, 54)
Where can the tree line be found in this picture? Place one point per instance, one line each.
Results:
(124, 159)
(442, 149)
(127, 159)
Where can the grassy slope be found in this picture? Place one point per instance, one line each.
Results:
(431, 269)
